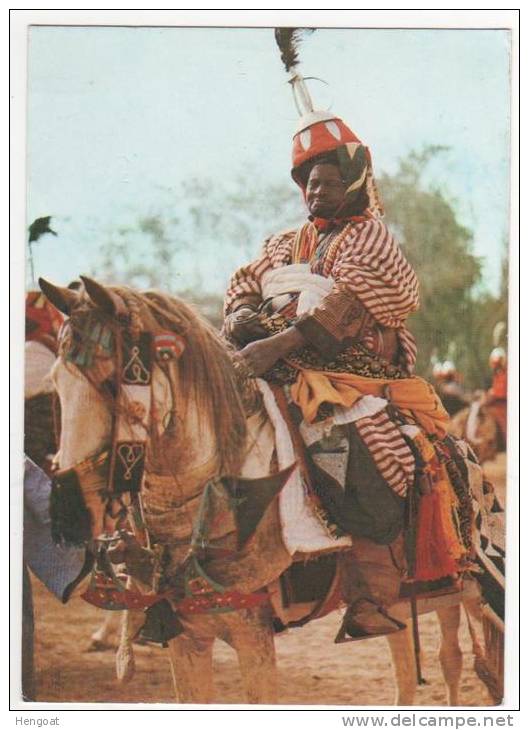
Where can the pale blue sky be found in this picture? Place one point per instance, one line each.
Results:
(114, 114)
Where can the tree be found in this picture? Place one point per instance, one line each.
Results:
(196, 236)
(453, 316)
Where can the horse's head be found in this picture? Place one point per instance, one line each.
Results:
(143, 383)
(84, 375)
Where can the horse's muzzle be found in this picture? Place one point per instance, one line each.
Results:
(78, 501)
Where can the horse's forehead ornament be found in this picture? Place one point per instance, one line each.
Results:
(137, 360)
(168, 346)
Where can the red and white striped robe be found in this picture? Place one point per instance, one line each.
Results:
(367, 266)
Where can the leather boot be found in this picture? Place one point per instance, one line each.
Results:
(370, 582)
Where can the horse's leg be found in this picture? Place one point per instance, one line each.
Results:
(450, 654)
(473, 606)
(192, 667)
(100, 639)
(489, 668)
(474, 616)
(402, 652)
(131, 623)
(252, 637)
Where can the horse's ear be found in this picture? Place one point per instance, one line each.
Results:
(62, 298)
(108, 300)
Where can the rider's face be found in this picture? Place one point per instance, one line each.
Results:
(325, 190)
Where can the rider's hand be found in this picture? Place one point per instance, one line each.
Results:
(243, 326)
(261, 355)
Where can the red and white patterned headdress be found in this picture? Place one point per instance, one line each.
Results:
(319, 132)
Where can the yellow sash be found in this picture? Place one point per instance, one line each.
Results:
(413, 396)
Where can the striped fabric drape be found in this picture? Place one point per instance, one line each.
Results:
(390, 452)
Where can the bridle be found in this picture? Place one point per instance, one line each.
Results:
(115, 473)
(129, 392)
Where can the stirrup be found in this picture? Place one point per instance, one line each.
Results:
(352, 630)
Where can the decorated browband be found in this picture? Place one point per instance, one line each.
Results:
(133, 394)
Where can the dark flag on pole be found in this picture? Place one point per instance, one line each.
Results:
(38, 228)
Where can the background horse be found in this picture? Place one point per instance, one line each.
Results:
(477, 424)
(42, 322)
(41, 420)
(194, 428)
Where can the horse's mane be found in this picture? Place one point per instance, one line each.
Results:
(205, 369)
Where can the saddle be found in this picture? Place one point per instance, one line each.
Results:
(311, 589)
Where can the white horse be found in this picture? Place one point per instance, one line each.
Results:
(195, 428)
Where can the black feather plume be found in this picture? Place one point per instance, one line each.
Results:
(288, 41)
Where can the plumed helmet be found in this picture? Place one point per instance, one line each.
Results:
(322, 132)
(319, 132)
(320, 135)
(498, 358)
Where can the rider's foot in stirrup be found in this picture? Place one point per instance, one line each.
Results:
(365, 619)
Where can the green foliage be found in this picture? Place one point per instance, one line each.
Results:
(198, 235)
(454, 320)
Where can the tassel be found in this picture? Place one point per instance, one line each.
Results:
(425, 447)
(433, 559)
(447, 504)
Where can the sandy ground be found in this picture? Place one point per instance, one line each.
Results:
(312, 669)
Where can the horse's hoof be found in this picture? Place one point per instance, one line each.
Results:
(98, 645)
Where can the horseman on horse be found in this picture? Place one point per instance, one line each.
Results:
(321, 316)
(496, 397)
(447, 380)
(483, 422)
(322, 375)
